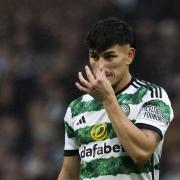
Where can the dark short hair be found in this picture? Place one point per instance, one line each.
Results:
(108, 32)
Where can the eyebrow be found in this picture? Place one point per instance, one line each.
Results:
(92, 52)
(109, 52)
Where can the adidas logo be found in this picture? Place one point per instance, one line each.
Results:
(81, 121)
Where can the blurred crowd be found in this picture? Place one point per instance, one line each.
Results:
(41, 50)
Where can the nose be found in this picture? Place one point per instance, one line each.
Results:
(100, 63)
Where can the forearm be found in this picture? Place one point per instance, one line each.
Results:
(133, 139)
(65, 176)
(70, 169)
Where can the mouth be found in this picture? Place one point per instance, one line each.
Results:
(108, 74)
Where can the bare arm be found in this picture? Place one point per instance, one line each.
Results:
(70, 169)
(139, 143)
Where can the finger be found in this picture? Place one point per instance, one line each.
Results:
(81, 88)
(83, 81)
(98, 74)
(89, 74)
(104, 74)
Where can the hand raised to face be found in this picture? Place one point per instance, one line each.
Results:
(96, 85)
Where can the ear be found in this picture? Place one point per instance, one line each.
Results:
(131, 55)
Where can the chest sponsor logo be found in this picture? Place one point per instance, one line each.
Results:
(98, 150)
(99, 132)
(126, 109)
(153, 112)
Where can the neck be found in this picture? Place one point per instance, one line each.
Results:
(122, 83)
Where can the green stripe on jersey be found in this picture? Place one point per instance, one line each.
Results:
(79, 106)
(69, 130)
(157, 166)
(84, 134)
(112, 166)
(135, 98)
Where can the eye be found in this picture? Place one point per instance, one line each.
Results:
(95, 57)
(110, 56)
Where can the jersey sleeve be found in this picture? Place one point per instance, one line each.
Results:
(156, 112)
(70, 147)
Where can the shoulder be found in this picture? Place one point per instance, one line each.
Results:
(153, 90)
(157, 98)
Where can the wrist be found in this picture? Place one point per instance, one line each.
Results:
(109, 100)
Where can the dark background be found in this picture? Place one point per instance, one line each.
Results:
(42, 49)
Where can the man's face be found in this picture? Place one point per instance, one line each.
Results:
(114, 62)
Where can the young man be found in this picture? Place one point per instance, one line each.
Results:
(116, 130)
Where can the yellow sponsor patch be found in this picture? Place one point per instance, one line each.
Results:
(99, 132)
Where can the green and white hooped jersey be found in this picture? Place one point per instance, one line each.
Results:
(89, 132)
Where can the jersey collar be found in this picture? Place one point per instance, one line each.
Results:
(126, 86)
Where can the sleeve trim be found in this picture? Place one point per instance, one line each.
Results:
(150, 127)
(71, 152)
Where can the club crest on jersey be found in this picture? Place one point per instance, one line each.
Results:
(126, 109)
(99, 132)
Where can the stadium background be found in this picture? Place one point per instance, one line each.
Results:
(42, 49)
